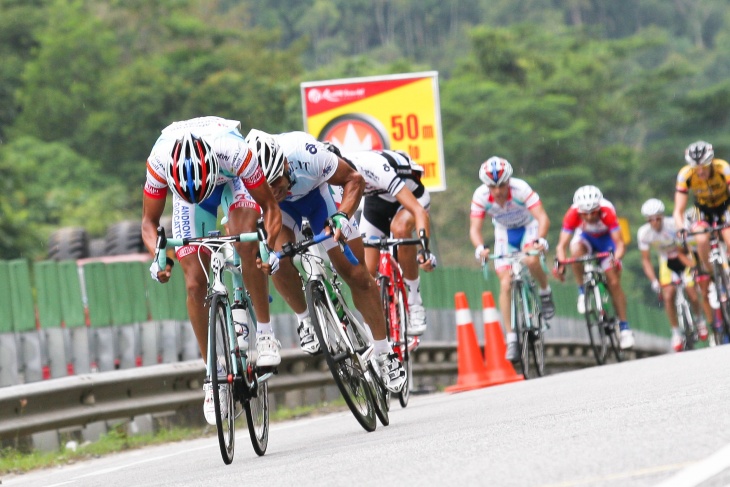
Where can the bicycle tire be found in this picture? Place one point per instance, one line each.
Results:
(686, 323)
(520, 327)
(256, 405)
(219, 349)
(257, 418)
(404, 320)
(537, 337)
(345, 367)
(614, 337)
(723, 295)
(596, 331)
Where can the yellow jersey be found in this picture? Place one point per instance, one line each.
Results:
(710, 192)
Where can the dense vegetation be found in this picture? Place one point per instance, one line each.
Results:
(572, 92)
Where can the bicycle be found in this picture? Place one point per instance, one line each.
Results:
(719, 263)
(684, 314)
(527, 319)
(248, 384)
(395, 304)
(343, 339)
(603, 329)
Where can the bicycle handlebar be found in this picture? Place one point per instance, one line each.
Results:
(384, 243)
(584, 258)
(291, 249)
(714, 228)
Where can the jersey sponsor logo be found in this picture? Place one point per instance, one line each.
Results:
(181, 222)
(327, 170)
(154, 192)
(311, 148)
(246, 161)
(255, 179)
(154, 172)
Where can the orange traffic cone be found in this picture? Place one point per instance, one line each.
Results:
(499, 369)
(472, 374)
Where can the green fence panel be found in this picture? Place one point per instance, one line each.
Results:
(69, 291)
(21, 294)
(98, 293)
(139, 277)
(6, 307)
(48, 298)
(119, 287)
(167, 301)
(178, 296)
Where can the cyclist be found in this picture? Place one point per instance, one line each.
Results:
(206, 163)
(591, 226)
(396, 202)
(707, 178)
(520, 222)
(660, 234)
(304, 193)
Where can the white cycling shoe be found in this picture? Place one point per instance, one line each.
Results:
(391, 371)
(267, 350)
(417, 320)
(627, 339)
(582, 304)
(307, 338)
(209, 403)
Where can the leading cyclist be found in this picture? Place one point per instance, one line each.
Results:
(520, 222)
(396, 202)
(590, 226)
(707, 178)
(206, 163)
(304, 193)
(660, 234)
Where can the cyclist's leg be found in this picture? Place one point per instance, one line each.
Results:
(579, 246)
(538, 273)
(669, 292)
(373, 224)
(287, 280)
(190, 220)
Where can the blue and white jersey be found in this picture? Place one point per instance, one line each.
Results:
(310, 163)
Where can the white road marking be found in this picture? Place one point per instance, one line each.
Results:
(698, 472)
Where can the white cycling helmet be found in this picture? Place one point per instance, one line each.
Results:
(699, 153)
(495, 171)
(587, 199)
(652, 207)
(268, 152)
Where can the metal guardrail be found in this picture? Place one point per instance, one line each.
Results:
(79, 400)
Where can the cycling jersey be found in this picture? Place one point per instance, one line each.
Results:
(514, 213)
(664, 242)
(708, 193)
(607, 223)
(311, 165)
(235, 160)
(386, 173)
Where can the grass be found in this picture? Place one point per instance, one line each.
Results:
(16, 461)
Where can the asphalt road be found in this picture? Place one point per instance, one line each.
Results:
(657, 421)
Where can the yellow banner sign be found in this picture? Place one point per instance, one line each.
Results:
(398, 112)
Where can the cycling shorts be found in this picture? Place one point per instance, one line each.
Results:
(316, 206)
(508, 240)
(595, 244)
(670, 270)
(719, 214)
(377, 214)
(191, 220)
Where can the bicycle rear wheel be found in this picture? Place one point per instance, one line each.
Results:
(403, 320)
(219, 350)
(520, 327)
(257, 417)
(723, 295)
(686, 324)
(344, 365)
(613, 333)
(596, 331)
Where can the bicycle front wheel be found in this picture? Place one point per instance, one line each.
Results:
(537, 337)
(594, 322)
(219, 351)
(723, 295)
(405, 354)
(344, 365)
(686, 324)
(519, 311)
(257, 417)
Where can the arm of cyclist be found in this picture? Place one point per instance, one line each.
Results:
(272, 223)
(543, 225)
(618, 241)
(426, 260)
(353, 186)
(563, 241)
(475, 235)
(152, 209)
(680, 205)
(649, 271)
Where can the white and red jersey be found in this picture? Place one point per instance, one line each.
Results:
(607, 223)
(310, 163)
(235, 160)
(514, 213)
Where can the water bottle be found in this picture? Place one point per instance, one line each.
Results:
(240, 325)
(604, 292)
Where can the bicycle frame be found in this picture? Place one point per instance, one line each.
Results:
(684, 313)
